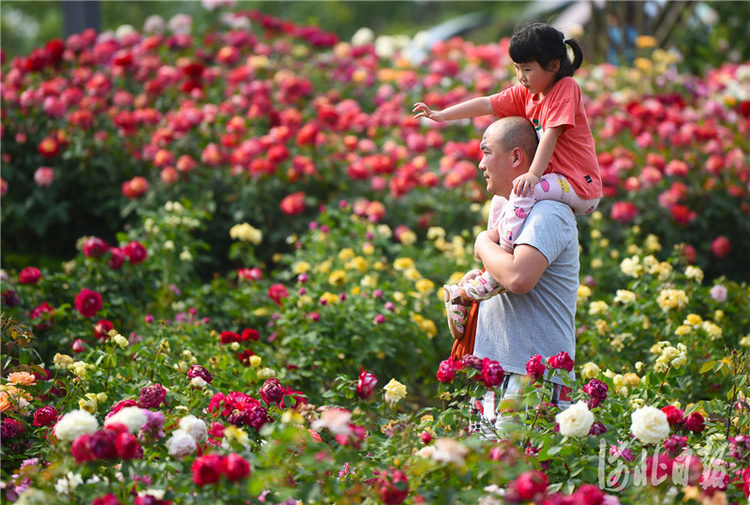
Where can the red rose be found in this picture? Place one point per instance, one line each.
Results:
(426, 437)
(492, 373)
(277, 292)
(80, 448)
(674, 415)
(49, 147)
(293, 204)
(447, 369)
(393, 487)
(528, 486)
(695, 422)
(135, 187)
(366, 383)
(29, 275)
(682, 214)
(561, 361)
(721, 246)
(208, 469)
(88, 302)
(45, 416)
(589, 494)
(95, 247)
(535, 367)
(624, 211)
(136, 252)
(236, 467)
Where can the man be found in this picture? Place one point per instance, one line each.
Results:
(536, 314)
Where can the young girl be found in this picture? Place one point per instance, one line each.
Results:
(564, 168)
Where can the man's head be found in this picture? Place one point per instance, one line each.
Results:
(508, 147)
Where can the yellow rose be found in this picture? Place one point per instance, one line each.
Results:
(357, 263)
(368, 281)
(425, 286)
(624, 296)
(301, 267)
(394, 392)
(584, 292)
(403, 264)
(598, 307)
(408, 238)
(368, 248)
(672, 299)
(337, 277)
(590, 371)
(694, 273)
(329, 298)
(62, 360)
(246, 233)
(693, 320)
(346, 254)
(412, 274)
(435, 232)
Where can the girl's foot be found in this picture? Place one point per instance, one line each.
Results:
(455, 314)
(480, 288)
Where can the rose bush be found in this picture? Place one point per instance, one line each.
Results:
(253, 314)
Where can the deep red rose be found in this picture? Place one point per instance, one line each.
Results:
(11, 428)
(250, 334)
(256, 417)
(107, 499)
(471, 361)
(117, 259)
(695, 422)
(272, 391)
(29, 275)
(152, 396)
(492, 373)
(674, 415)
(208, 469)
(392, 487)
(277, 292)
(126, 446)
(236, 467)
(535, 367)
(10, 298)
(95, 247)
(136, 252)
(597, 390)
(227, 337)
(200, 371)
(589, 494)
(244, 356)
(366, 383)
(80, 449)
(102, 444)
(88, 302)
(561, 361)
(39, 313)
(45, 416)
(102, 329)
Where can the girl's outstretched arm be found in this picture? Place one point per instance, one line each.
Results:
(470, 108)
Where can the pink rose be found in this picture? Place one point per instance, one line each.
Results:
(624, 211)
(136, 252)
(529, 486)
(95, 247)
(721, 246)
(366, 384)
(392, 487)
(277, 293)
(719, 293)
(44, 176)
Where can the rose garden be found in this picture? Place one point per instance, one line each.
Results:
(255, 232)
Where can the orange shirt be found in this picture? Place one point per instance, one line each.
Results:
(574, 156)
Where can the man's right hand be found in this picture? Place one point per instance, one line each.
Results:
(422, 110)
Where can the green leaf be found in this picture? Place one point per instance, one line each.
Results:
(708, 365)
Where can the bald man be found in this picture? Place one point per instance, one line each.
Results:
(536, 314)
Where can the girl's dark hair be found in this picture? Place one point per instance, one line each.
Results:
(543, 43)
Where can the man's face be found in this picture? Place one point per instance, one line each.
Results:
(495, 165)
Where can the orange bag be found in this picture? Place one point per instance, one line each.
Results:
(465, 345)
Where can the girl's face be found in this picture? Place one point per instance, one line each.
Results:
(535, 78)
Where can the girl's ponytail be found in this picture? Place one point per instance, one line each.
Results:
(577, 54)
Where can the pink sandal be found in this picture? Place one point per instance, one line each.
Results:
(455, 313)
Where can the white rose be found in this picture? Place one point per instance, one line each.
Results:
(74, 424)
(649, 425)
(194, 427)
(576, 420)
(132, 417)
(198, 382)
(449, 450)
(181, 444)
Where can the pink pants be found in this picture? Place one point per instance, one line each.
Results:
(550, 187)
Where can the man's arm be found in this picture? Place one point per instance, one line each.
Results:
(518, 272)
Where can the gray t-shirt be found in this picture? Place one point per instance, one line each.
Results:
(511, 328)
